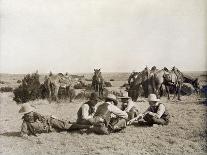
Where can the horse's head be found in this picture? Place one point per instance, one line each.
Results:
(145, 73)
(138, 79)
(196, 84)
(97, 72)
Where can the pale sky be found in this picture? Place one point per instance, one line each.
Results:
(114, 35)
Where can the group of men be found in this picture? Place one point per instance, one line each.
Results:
(110, 116)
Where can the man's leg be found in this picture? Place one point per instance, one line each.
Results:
(132, 113)
(154, 120)
(118, 124)
(101, 129)
(159, 121)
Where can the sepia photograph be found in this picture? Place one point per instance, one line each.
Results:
(103, 77)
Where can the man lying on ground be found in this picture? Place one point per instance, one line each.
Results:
(155, 114)
(35, 123)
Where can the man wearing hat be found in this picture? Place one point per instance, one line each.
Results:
(108, 117)
(35, 123)
(155, 114)
(87, 110)
(128, 105)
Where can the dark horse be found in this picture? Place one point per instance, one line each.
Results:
(98, 82)
(138, 80)
(193, 81)
(134, 88)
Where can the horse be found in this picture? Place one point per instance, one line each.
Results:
(152, 81)
(140, 80)
(53, 83)
(98, 82)
(133, 89)
(173, 78)
(193, 81)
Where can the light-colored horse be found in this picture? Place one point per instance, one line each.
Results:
(54, 82)
(98, 82)
(173, 78)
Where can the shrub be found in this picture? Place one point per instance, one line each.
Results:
(108, 84)
(2, 82)
(28, 90)
(6, 89)
(19, 81)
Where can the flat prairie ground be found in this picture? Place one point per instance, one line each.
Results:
(186, 133)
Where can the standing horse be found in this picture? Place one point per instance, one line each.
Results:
(140, 79)
(173, 78)
(53, 84)
(134, 88)
(98, 82)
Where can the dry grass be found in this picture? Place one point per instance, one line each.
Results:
(186, 133)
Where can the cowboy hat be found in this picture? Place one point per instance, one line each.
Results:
(26, 108)
(112, 98)
(125, 96)
(153, 97)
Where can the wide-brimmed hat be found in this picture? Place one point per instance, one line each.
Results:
(112, 97)
(94, 96)
(153, 97)
(125, 96)
(26, 108)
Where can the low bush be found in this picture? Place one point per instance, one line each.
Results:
(28, 90)
(19, 81)
(2, 82)
(6, 89)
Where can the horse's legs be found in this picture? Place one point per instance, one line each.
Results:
(56, 93)
(167, 91)
(175, 91)
(178, 91)
(49, 93)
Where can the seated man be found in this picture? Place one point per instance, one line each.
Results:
(155, 114)
(108, 117)
(128, 105)
(87, 110)
(35, 123)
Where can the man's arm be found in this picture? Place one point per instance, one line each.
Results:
(118, 112)
(85, 114)
(129, 106)
(160, 111)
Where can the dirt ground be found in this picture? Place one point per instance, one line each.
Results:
(186, 133)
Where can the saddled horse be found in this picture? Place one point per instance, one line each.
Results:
(153, 80)
(98, 82)
(53, 83)
(173, 78)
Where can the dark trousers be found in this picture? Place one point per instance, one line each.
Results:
(132, 113)
(60, 125)
(154, 120)
(115, 125)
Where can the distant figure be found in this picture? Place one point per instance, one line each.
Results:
(35, 123)
(87, 110)
(155, 114)
(128, 106)
(108, 117)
